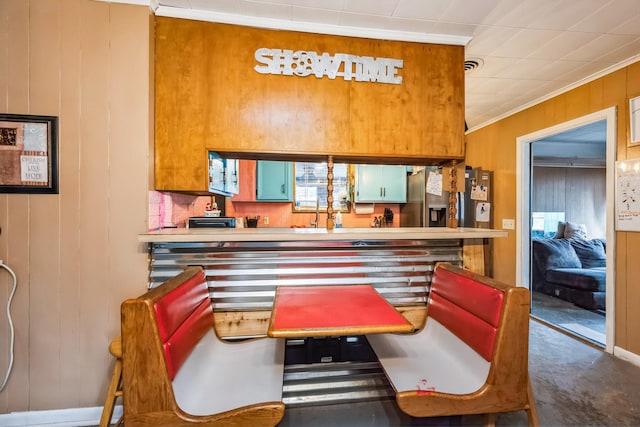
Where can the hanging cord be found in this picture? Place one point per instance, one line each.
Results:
(13, 291)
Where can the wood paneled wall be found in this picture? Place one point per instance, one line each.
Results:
(494, 147)
(75, 253)
(578, 192)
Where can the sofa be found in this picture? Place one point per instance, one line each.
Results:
(572, 269)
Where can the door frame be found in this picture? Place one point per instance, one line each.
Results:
(523, 205)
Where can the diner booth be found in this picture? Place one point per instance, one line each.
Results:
(218, 308)
(310, 297)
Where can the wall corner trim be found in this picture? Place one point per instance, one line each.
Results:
(626, 355)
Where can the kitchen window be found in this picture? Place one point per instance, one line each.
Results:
(310, 187)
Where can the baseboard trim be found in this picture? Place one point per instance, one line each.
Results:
(58, 417)
(626, 355)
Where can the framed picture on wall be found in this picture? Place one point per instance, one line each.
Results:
(627, 200)
(634, 123)
(28, 154)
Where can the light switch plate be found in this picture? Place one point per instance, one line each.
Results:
(265, 220)
(508, 224)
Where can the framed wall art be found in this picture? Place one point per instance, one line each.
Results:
(627, 205)
(28, 154)
(634, 120)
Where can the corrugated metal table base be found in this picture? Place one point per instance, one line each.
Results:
(335, 382)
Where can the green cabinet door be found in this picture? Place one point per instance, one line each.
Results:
(380, 183)
(274, 181)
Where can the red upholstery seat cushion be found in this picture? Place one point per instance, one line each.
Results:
(474, 331)
(483, 301)
(178, 304)
(180, 344)
(183, 315)
(468, 308)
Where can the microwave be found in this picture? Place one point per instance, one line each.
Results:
(212, 222)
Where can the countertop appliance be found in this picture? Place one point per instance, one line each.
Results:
(212, 222)
(428, 210)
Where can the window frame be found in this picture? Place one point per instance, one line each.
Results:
(341, 184)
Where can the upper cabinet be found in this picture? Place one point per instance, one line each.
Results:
(386, 184)
(232, 176)
(212, 93)
(274, 181)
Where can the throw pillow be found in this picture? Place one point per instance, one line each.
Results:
(555, 253)
(560, 232)
(576, 231)
(591, 252)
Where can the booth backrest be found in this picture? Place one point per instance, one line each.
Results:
(472, 355)
(468, 308)
(174, 366)
(184, 315)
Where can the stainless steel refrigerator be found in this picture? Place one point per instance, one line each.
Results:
(428, 210)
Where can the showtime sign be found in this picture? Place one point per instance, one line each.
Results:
(304, 63)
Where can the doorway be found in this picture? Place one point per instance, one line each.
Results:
(526, 153)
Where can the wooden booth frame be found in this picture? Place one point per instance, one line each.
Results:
(28, 154)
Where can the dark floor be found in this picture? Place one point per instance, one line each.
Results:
(574, 384)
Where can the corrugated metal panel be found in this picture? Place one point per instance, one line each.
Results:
(244, 275)
(331, 383)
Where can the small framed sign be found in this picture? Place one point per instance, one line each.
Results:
(28, 154)
(627, 204)
(634, 116)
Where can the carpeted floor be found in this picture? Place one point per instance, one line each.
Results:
(575, 384)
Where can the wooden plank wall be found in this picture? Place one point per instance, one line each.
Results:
(75, 253)
(578, 192)
(494, 147)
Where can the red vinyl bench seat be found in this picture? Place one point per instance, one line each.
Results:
(471, 357)
(176, 371)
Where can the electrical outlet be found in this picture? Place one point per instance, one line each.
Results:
(508, 224)
(265, 220)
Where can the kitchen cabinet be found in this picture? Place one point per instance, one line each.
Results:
(234, 109)
(376, 183)
(223, 175)
(232, 176)
(274, 181)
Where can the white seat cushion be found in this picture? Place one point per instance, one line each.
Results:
(432, 359)
(219, 376)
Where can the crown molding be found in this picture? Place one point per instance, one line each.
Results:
(310, 27)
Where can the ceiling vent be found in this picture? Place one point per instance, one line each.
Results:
(472, 64)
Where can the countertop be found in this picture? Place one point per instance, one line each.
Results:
(266, 234)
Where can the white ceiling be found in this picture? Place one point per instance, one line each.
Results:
(529, 49)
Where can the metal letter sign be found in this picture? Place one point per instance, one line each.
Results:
(302, 63)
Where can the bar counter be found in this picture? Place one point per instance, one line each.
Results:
(282, 234)
(244, 266)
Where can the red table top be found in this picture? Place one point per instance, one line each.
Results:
(310, 311)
